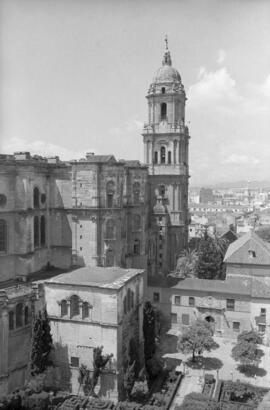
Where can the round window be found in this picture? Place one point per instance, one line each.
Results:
(43, 198)
(3, 200)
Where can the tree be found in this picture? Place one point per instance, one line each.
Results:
(197, 338)
(210, 258)
(186, 266)
(149, 325)
(246, 350)
(250, 336)
(41, 343)
(129, 379)
(99, 362)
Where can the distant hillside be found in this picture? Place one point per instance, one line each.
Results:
(236, 184)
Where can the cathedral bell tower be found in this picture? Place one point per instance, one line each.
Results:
(166, 139)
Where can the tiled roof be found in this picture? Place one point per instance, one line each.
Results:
(230, 286)
(100, 158)
(112, 278)
(239, 251)
(132, 163)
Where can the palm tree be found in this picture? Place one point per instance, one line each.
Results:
(186, 265)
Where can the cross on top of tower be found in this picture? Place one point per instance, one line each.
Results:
(167, 57)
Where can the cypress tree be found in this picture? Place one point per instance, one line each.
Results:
(41, 343)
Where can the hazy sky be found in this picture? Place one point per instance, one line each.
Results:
(74, 75)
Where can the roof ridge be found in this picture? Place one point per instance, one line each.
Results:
(236, 245)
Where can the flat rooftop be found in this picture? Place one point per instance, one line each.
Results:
(108, 278)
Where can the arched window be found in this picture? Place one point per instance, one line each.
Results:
(110, 189)
(3, 235)
(26, 315)
(129, 299)
(36, 197)
(36, 231)
(169, 157)
(156, 157)
(110, 229)
(162, 155)
(136, 222)
(11, 320)
(74, 306)
(109, 257)
(163, 90)
(85, 310)
(163, 111)
(64, 308)
(19, 315)
(136, 192)
(132, 300)
(42, 230)
(125, 304)
(136, 247)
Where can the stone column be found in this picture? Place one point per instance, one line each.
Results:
(178, 152)
(179, 198)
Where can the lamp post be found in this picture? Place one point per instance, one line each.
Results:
(232, 375)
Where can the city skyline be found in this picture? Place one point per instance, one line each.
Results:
(74, 79)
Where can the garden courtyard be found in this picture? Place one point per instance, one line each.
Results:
(220, 363)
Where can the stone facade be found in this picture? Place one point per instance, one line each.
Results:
(92, 307)
(16, 309)
(166, 141)
(109, 213)
(34, 226)
(35, 233)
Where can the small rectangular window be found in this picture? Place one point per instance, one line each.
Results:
(74, 361)
(191, 301)
(80, 248)
(177, 300)
(174, 317)
(230, 304)
(236, 326)
(261, 328)
(156, 297)
(80, 236)
(263, 312)
(185, 319)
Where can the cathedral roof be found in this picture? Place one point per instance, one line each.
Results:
(101, 277)
(166, 73)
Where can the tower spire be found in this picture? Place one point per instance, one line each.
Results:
(166, 41)
(167, 57)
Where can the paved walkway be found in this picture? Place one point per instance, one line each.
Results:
(228, 369)
(191, 382)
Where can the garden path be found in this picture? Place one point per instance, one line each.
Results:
(192, 382)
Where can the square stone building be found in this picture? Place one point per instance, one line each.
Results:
(93, 307)
(241, 302)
